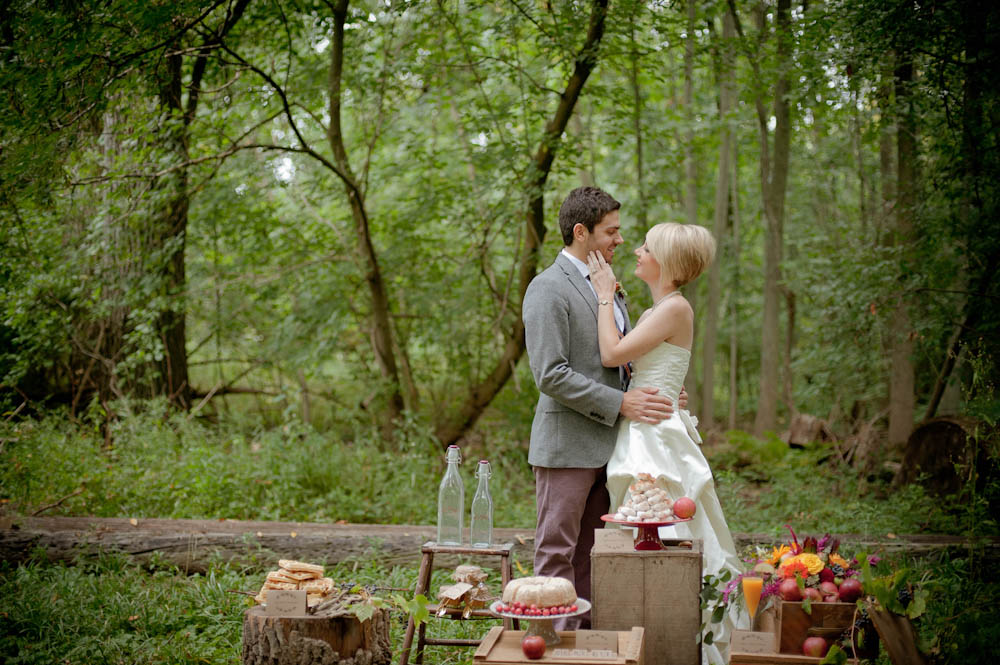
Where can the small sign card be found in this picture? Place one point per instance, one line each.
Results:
(592, 645)
(747, 641)
(597, 640)
(286, 602)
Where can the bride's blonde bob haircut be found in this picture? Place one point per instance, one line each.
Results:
(683, 251)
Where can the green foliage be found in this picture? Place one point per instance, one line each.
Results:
(180, 467)
(764, 484)
(442, 109)
(109, 610)
(893, 590)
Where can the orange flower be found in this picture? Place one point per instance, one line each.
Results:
(839, 560)
(777, 553)
(793, 567)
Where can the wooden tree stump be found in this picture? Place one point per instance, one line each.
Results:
(940, 452)
(330, 637)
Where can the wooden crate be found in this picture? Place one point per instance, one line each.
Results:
(658, 590)
(791, 625)
(795, 624)
(503, 647)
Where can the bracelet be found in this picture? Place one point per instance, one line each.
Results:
(604, 302)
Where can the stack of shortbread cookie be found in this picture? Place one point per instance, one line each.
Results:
(297, 575)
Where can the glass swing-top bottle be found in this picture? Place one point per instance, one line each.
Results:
(481, 529)
(451, 501)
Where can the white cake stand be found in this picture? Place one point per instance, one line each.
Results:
(542, 626)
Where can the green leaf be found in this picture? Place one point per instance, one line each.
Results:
(835, 656)
(363, 611)
(918, 605)
(417, 608)
(718, 613)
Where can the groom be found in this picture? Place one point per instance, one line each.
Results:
(573, 433)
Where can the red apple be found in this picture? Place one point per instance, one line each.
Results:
(832, 598)
(684, 507)
(850, 590)
(815, 646)
(813, 594)
(828, 588)
(533, 646)
(789, 589)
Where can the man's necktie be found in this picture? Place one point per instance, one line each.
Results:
(627, 366)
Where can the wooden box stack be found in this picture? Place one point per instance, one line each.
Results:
(656, 589)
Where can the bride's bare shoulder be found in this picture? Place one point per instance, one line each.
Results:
(676, 306)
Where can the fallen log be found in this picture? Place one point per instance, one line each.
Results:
(192, 544)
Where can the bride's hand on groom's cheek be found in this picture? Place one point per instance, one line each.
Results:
(601, 275)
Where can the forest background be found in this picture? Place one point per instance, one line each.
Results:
(324, 215)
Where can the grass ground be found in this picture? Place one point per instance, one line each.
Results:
(105, 609)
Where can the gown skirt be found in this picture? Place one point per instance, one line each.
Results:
(671, 453)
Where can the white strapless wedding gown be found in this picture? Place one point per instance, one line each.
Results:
(671, 453)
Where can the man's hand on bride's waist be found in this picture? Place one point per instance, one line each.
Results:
(646, 405)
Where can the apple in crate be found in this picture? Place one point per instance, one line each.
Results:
(789, 590)
(815, 646)
(850, 590)
(533, 646)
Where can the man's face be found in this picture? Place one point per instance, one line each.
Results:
(605, 237)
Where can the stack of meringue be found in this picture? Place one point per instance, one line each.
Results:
(646, 502)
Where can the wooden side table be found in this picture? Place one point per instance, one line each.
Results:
(429, 549)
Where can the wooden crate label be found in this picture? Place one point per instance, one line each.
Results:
(747, 641)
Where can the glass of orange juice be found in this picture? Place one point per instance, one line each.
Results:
(752, 586)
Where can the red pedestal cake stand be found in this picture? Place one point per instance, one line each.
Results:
(647, 537)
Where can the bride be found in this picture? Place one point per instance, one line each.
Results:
(659, 346)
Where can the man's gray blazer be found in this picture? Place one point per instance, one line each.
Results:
(579, 401)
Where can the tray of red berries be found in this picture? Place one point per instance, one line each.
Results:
(518, 610)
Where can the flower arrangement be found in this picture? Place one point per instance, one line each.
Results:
(813, 570)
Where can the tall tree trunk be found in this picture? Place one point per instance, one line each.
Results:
(734, 291)
(691, 183)
(901, 375)
(724, 73)
(380, 331)
(979, 168)
(787, 379)
(170, 374)
(641, 212)
(773, 179)
(887, 151)
(477, 397)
